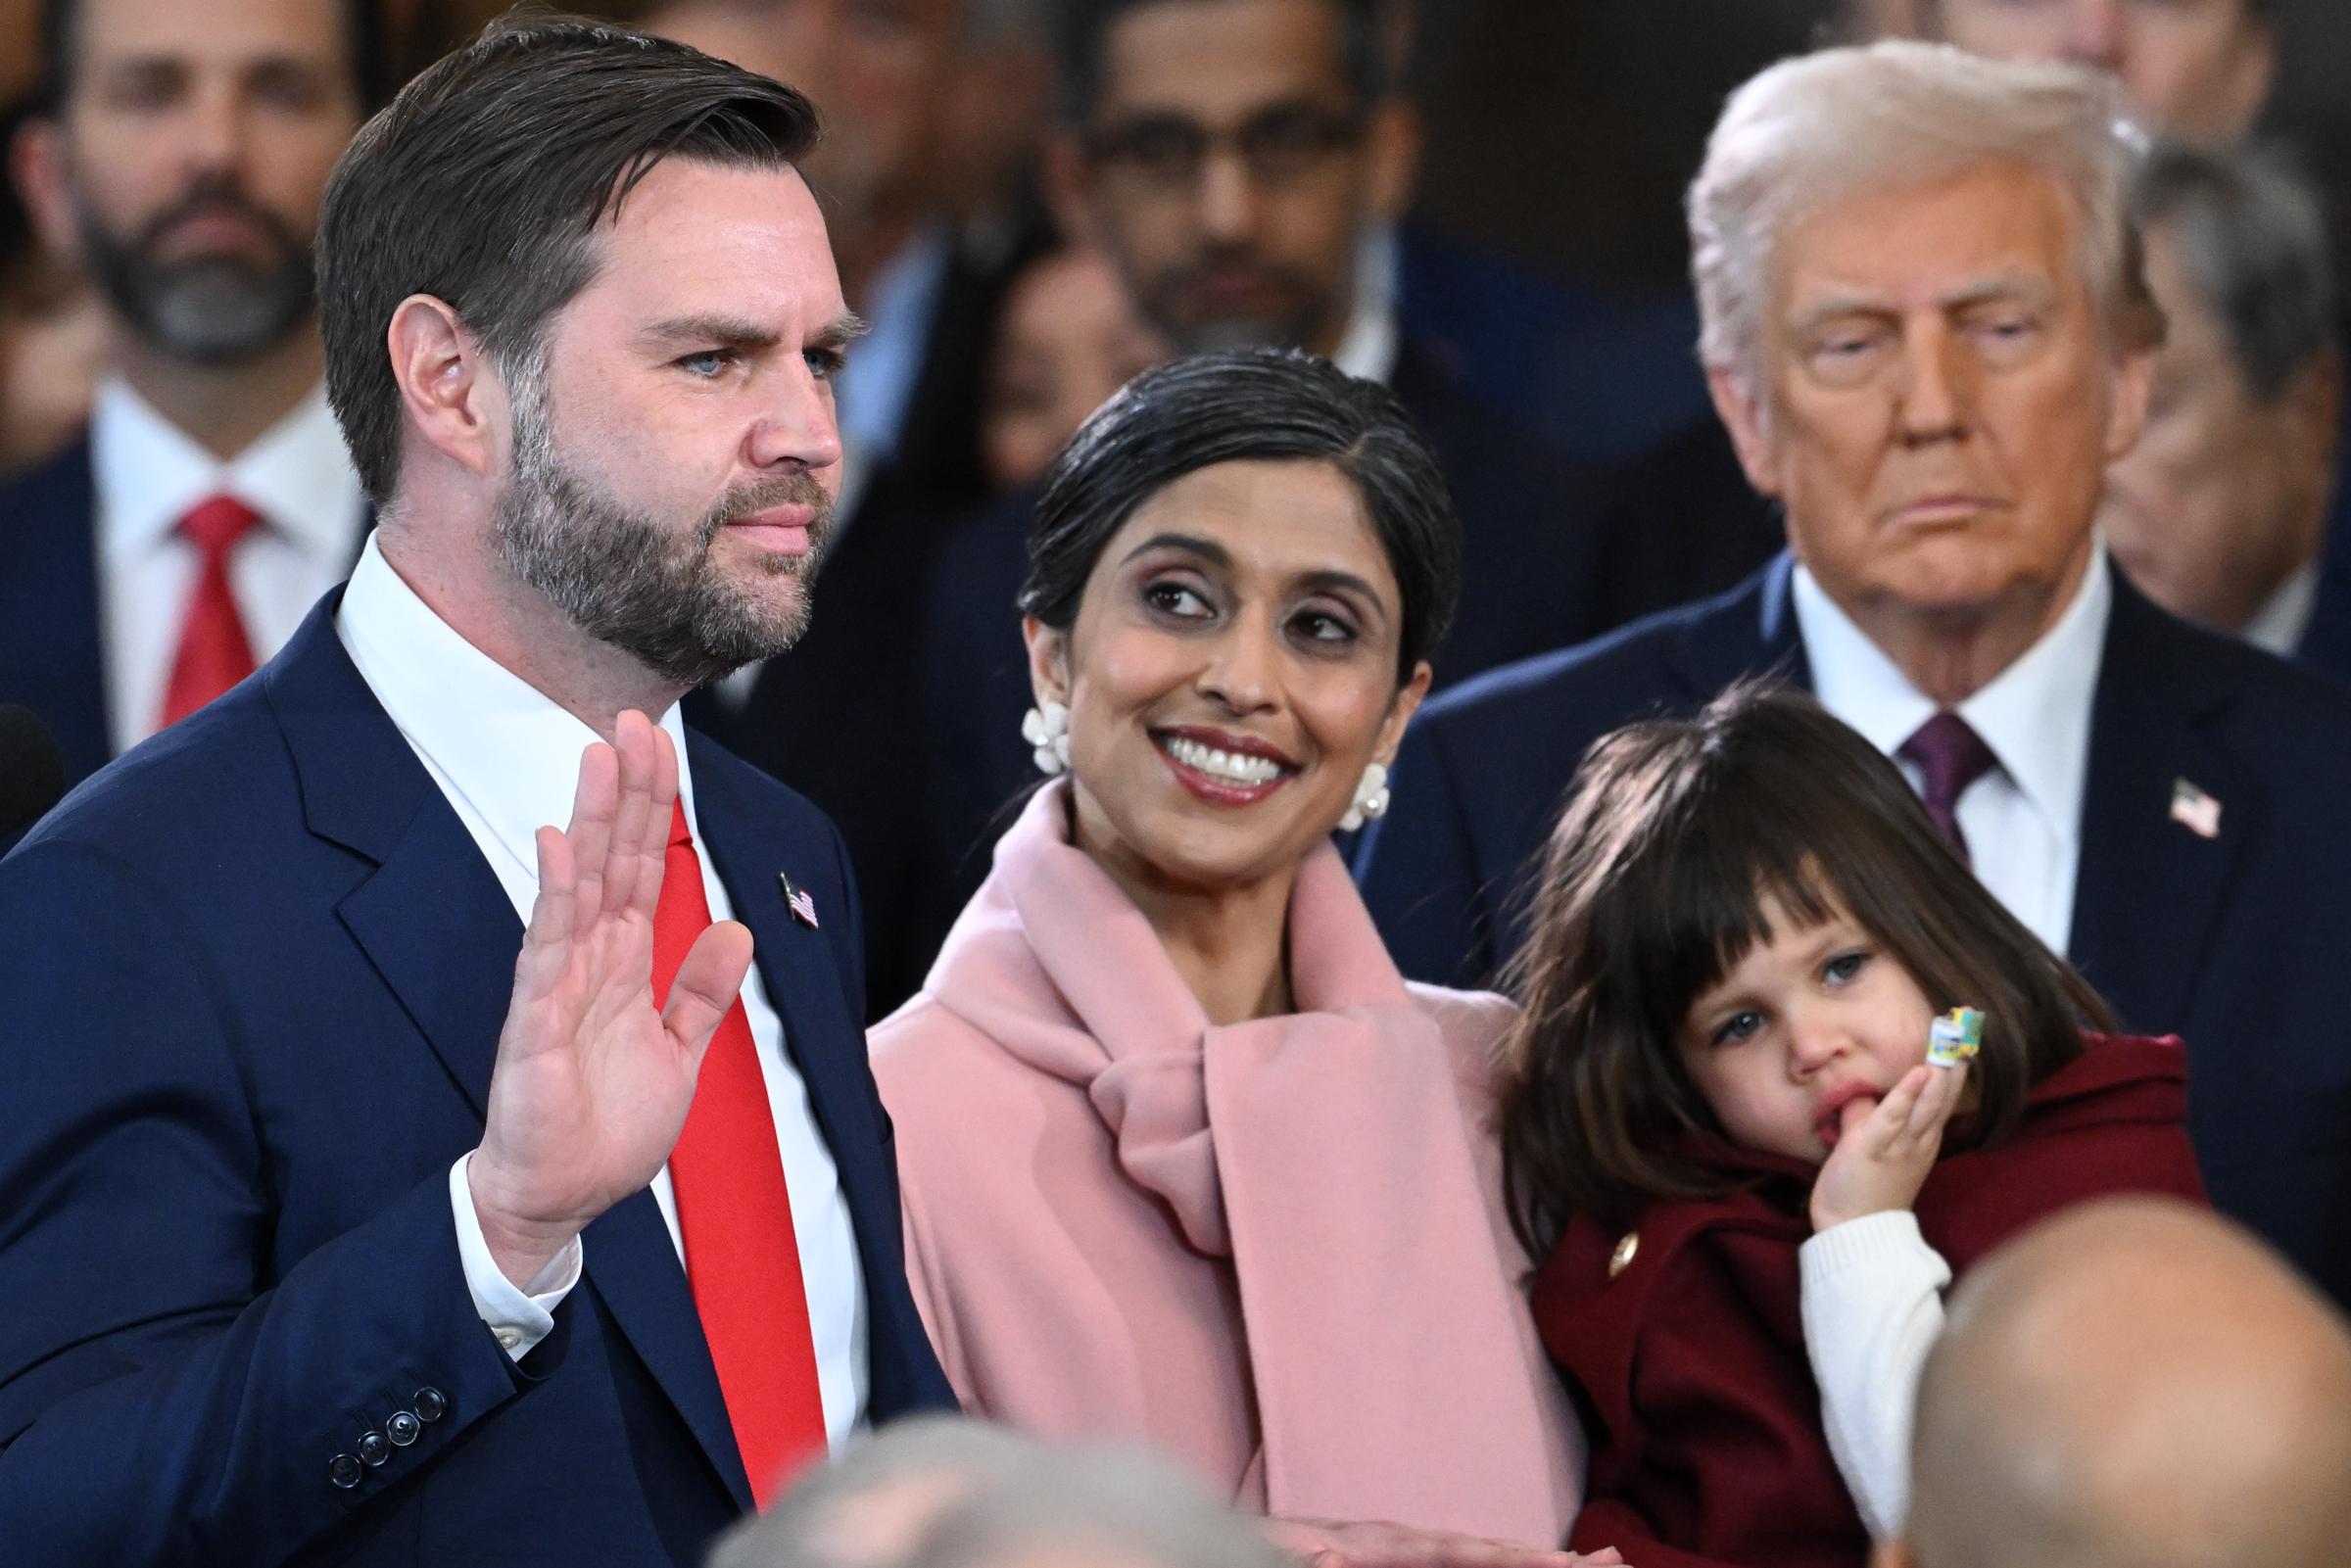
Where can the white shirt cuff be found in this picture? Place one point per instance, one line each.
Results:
(520, 1318)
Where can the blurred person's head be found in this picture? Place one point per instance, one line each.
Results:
(880, 71)
(1094, 1509)
(1925, 324)
(2199, 69)
(1067, 337)
(1238, 571)
(2226, 496)
(587, 377)
(1866, 21)
(181, 156)
(2133, 1384)
(875, 1503)
(1227, 155)
(52, 336)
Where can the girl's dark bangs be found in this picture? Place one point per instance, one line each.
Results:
(1697, 910)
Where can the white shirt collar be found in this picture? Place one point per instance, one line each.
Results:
(506, 747)
(149, 474)
(2034, 715)
(2284, 615)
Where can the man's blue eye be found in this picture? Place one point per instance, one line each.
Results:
(708, 365)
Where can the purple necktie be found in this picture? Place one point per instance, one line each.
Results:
(1950, 756)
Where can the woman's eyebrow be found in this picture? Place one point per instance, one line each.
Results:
(1208, 550)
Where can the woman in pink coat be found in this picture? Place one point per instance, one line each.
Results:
(1186, 1159)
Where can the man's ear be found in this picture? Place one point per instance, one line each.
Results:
(1392, 158)
(1048, 661)
(452, 396)
(1068, 187)
(2134, 388)
(36, 162)
(1741, 407)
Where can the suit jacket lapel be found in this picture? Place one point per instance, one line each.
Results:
(1751, 630)
(2149, 887)
(438, 926)
(51, 651)
(795, 961)
(433, 918)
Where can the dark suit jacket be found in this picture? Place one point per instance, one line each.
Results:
(256, 973)
(2236, 942)
(51, 659)
(1530, 585)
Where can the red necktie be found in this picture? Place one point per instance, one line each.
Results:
(214, 653)
(742, 1259)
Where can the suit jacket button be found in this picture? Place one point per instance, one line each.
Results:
(344, 1471)
(375, 1450)
(431, 1406)
(403, 1428)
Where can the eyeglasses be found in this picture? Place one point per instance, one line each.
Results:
(1278, 146)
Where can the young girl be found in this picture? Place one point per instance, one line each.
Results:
(1719, 1124)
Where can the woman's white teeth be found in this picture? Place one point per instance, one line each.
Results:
(1226, 767)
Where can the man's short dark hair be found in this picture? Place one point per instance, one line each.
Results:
(2251, 235)
(363, 37)
(483, 183)
(1086, 24)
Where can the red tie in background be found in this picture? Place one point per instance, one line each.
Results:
(743, 1261)
(214, 653)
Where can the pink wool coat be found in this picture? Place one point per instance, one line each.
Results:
(1274, 1250)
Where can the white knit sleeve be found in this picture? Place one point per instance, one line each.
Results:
(1873, 1308)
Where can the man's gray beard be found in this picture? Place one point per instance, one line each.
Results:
(617, 575)
(1232, 337)
(212, 311)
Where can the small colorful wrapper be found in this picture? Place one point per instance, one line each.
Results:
(1955, 1036)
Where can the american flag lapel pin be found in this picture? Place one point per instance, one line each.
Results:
(803, 908)
(2194, 810)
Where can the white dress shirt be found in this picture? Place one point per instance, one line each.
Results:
(1368, 345)
(2022, 819)
(2284, 615)
(149, 474)
(508, 759)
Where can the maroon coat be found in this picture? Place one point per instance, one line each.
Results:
(1689, 1364)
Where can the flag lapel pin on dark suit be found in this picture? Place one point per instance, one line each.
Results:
(2194, 810)
(803, 908)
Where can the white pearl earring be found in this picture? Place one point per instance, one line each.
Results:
(1047, 730)
(1370, 799)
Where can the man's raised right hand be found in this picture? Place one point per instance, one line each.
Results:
(592, 1081)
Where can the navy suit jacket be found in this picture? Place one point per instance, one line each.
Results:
(51, 656)
(254, 976)
(2236, 943)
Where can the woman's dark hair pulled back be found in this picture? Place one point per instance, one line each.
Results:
(1211, 408)
(1675, 835)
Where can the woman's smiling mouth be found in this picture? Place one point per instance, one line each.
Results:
(1224, 770)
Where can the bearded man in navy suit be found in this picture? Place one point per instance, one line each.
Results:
(1927, 333)
(394, 1178)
